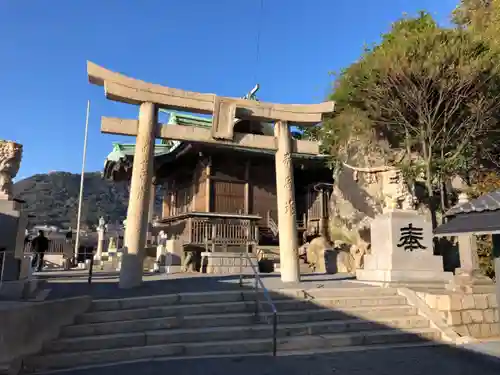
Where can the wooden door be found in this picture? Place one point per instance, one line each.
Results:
(228, 197)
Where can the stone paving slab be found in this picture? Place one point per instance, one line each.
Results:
(490, 348)
(394, 361)
(105, 285)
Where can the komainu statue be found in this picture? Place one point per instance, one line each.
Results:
(316, 254)
(10, 161)
(339, 257)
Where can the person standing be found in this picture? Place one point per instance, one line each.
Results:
(39, 245)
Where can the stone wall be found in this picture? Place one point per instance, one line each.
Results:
(468, 314)
(227, 263)
(25, 327)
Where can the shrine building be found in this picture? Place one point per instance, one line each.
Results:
(224, 198)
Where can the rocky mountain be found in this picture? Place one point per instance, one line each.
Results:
(53, 198)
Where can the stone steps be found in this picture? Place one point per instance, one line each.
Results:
(208, 348)
(219, 333)
(224, 320)
(235, 296)
(224, 323)
(234, 307)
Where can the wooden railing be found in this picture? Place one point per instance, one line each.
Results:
(273, 225)
(205, 228)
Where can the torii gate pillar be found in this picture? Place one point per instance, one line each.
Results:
(140, 193)
(287, 220)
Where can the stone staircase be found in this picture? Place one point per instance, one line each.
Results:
(224, 324)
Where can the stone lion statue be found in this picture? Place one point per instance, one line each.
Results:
(317, 253)
(339, 257)
(10, 161)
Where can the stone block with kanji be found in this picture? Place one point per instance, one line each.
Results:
(402, 250)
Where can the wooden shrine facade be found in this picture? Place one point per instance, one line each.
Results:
(225, 197)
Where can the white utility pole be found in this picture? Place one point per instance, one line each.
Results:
(80, 201)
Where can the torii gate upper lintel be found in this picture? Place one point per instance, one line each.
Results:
(150, 97)
(119, 87)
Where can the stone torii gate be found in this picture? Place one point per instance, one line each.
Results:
(150, 97)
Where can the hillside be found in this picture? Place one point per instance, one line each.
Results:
(53, 198)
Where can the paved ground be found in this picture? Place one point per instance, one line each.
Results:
(105, 285)
(408, 361)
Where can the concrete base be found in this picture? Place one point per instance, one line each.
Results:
(470, 283)
(20, 289)
(130, 271)
(226, 263)
(26, 327)
(12, 290)
(12, 231)
(403, 276)
(12, 267)
(176, 250)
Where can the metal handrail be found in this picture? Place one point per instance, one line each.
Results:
(259, 284)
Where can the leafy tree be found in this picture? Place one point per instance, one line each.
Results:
(482, 17)
(428, 91)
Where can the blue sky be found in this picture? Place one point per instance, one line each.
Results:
(198, 45)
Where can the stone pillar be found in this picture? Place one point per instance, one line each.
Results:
(100, 241)
(140, 190)
(287, 223)
(151, 211)
(467, 248)
(469, 274)
(496, 263)
(469, 259)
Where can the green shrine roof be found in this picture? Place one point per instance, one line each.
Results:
(123, 153)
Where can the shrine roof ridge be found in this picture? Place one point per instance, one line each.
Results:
(486, 202)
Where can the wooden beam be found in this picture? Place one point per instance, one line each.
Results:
(121, 88)
(111, 125)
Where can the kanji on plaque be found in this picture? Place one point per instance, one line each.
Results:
(410, 238)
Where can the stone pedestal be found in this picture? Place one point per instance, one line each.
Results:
(175, 251)
(227, 263)
(468, 278)
(12, 232)
(402, 250)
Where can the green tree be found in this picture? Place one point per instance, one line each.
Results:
(425, 90)
(481, 17)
